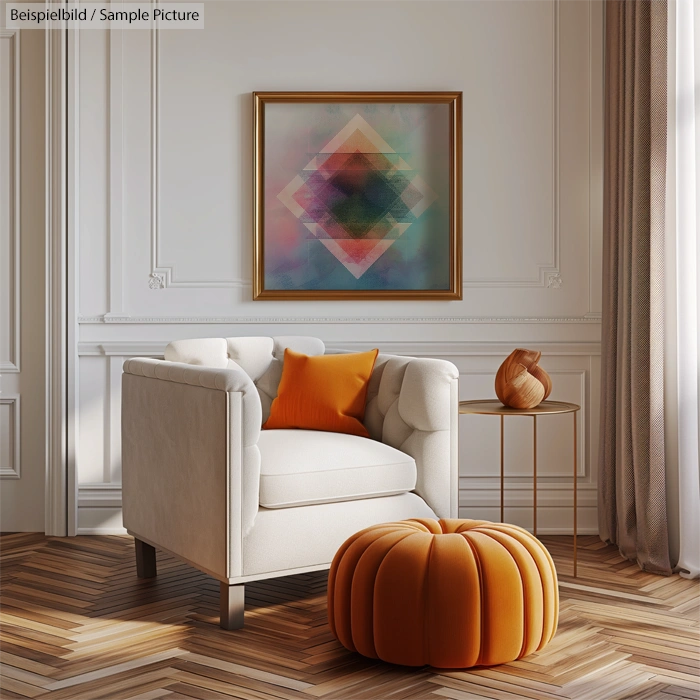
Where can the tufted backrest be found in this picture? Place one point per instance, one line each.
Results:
(259, 357)
(383, 392)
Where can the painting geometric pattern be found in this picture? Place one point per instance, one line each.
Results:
(357, 196)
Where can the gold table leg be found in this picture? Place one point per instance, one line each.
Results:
(534, 476)
(575, 489)
(502, 471)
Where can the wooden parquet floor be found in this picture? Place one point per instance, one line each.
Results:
(78, 625)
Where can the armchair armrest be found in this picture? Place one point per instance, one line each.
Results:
(190, 461)
(413, 406)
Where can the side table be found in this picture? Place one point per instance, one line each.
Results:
(493, 407)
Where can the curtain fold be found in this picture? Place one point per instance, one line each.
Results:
(632, 481)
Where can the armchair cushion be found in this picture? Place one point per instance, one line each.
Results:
(303, 467)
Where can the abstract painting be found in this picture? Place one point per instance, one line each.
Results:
(357, 195)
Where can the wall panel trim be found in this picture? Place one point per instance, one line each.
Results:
(115, 178)
(105, 495)
(163, 273)
(548, 273)
(11, 365)
(156, 348)
(56, 301)
(242, 320)
(517, 497)
(13, 470)
(101, 502)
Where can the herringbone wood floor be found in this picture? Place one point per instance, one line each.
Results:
(78, 625)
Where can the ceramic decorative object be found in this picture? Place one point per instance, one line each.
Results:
(521, 382)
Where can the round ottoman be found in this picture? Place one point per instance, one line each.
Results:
(448, 593)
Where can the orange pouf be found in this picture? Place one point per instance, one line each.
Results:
(450, 594)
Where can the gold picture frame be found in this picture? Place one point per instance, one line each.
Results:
(299, 109)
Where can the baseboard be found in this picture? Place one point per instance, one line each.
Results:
(101, 531)
(540, 531)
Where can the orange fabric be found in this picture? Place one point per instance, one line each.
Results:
(450, 594)
(325, 392)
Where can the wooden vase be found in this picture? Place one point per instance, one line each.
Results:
(520, 381)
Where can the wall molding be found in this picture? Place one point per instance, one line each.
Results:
(56, 299)
(162, 273)
(517, 496)
(156, 348)
(108, 498)
(101, 502)
(553, 505)
(595, 136)
(12, 471)
(106, 495)
(400, 320)
(11, 365)
(548, 273)
(522, 498)
(472, 348)
(119, 348)
(102, 531)
(522, 483)
(115, 252)
(112, 438)
(159, 274)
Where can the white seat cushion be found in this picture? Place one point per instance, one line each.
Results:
(302, 467)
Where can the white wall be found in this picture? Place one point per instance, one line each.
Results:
(164, 195)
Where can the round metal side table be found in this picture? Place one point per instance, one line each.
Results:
(493, 407)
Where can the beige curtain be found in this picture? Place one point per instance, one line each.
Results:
(632, 488)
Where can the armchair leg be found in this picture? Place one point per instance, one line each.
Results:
(145, 560)
(232, 605)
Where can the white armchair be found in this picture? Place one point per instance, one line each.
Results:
(203, 481)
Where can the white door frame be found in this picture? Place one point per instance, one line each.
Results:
(60, 337)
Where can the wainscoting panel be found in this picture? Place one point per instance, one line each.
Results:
(9, 436)
(574, 372)
(164, 226)
(9, 201)
(172, 172)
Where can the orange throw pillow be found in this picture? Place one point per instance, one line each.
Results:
(325, 392)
